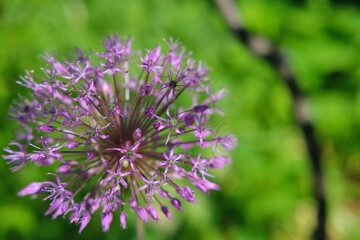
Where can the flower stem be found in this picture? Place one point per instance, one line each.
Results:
(140, 233)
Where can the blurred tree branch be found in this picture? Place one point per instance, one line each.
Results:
(269, 52)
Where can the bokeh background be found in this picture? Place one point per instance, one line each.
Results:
(266, 192)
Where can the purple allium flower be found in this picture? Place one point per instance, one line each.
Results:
(114, 126)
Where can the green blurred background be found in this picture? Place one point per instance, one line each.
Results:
(266, 192)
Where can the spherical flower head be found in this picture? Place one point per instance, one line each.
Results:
(120, 138)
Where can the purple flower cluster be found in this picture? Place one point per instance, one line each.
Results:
(112, 124)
